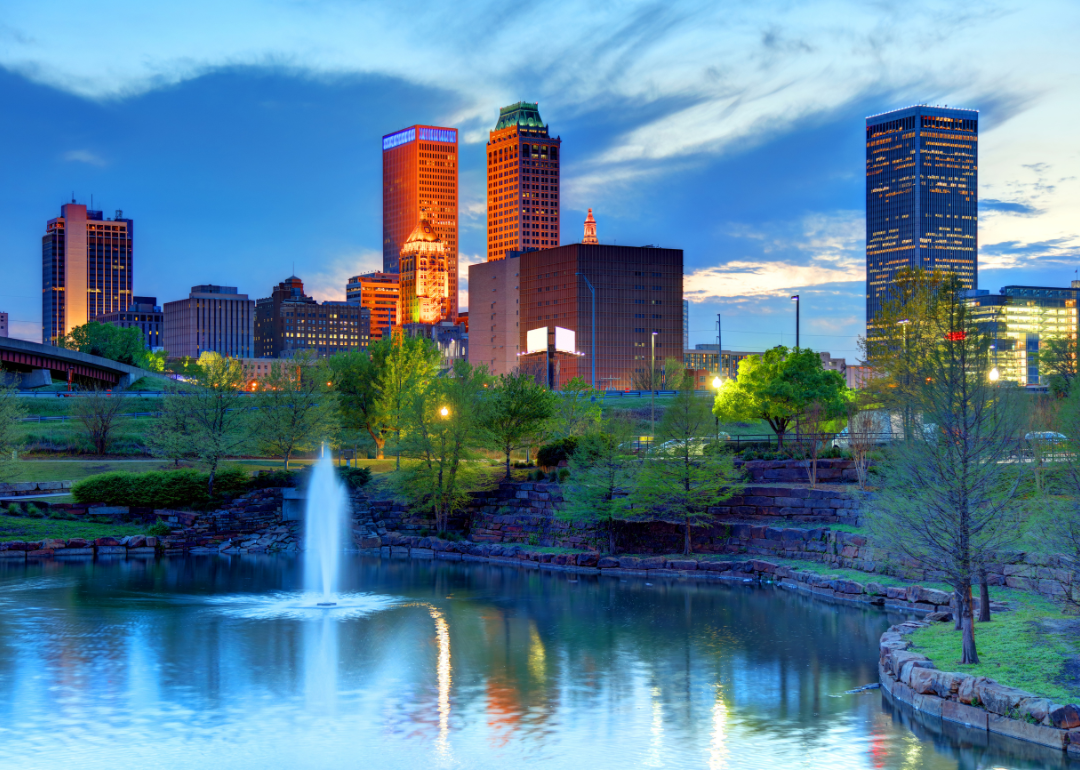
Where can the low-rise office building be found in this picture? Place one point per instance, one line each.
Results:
(289, 321)
(380, 293)
(143, 314)
(213, 319)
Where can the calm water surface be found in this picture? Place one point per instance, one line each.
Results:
(210, 662)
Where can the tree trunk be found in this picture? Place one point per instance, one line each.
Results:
(379, 444)
(507, 464)
(213, 470)
(287, 462)
(611, 537)
(969, 655)
(686, 539)
(958, 614)
(984, 597)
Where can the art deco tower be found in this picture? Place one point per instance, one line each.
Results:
(922, 176)
(425, 275)
(590, 229)
(523, 182)
(420, 175)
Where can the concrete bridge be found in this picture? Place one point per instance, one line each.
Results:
(39, 365)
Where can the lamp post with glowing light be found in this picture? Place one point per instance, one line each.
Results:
(444, 412)
(652, 388)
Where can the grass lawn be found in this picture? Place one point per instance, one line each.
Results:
(25, 528)
(1035, 647)
(73, 470)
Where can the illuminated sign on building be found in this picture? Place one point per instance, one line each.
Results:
(564, 340)
(536, 340)
(391, 141)
(436, 135)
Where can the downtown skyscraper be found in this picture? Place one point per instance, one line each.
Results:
(86, 269)
(523, 182)
(922, 174)
(420, 180)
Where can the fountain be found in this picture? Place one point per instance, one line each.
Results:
(324, 529)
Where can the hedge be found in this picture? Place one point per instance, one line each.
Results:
(550, 455)
(158, 489)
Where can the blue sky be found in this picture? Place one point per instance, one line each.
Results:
(244, 136)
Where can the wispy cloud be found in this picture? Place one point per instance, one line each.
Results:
(85, 156)
(329, 282)
(1008, 207)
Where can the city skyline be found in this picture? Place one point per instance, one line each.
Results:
(763, 205)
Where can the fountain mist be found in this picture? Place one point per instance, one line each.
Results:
(324, 529)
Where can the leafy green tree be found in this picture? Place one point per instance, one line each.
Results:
(99, 414)
(170, 435)
(11, 413)
(948, 497)
(357, 377)
(518, 411)
(408, 366)
(213, 408)
(443, 423)
(668, 375)
(678, 480)
(780, 386)
(294, 409)
(603, 470)
(125, 346)
(1058, 364)
(577, 409)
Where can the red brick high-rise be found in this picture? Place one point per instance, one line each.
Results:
(523, 182)
(420, 177)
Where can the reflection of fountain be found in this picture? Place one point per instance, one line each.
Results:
(324, 530)
(442, 635)
(320, 656)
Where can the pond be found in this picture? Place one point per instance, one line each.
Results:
(216, 662)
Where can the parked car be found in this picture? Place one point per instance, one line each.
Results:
(1046, 437)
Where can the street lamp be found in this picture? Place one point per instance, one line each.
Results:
(444, 412)
(994, 374)
(795, 298)
(652, 388)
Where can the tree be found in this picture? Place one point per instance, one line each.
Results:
(678, 479)
(948, 496)
(213, 409)
(294, 410)
(518, 410)
(1059, 513)
(170, 435)
(779, 387)
(357, 377)
(603, 470)
(818, 425)
(669, 375)
(443, 422)
(1057, 363)
(577, 409)
(125, 346)
(11, 413)
(98, 412)
(408, 366)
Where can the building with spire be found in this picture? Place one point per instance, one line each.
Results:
(590, 230)
(523, 182)
(425, 276)
(420, 174)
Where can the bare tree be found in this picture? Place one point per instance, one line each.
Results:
(860, 441)
(99, 414)
(949, 494)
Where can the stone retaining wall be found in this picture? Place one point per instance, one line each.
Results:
(974, 701)
(798, 471)
(110, 547)
(31, 488)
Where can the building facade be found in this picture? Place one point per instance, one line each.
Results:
(425, 276)
(1023, 319)
(87, 269)
(420, 177)
(704, 358)
(143, 314)
(921, 196)
(451, 340)
(380, 294)
(494, 309)
(522, 182)
(289, 321)
(213, 319)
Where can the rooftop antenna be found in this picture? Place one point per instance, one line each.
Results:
(72, 196)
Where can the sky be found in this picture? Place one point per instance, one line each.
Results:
(243, 137)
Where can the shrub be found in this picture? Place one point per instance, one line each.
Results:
(563, 474)
(551, 455)
(61, 514)
(159, 489)
(14, 510)
(355, 478)
(276, 478)
(34, 512)
(159, 529)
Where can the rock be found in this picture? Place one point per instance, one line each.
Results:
(876, 589)
(999, 699)
(932, 596)
(969, 689)
(683, 564)
(1036, 708)
(106, 541)
(588, 559)
(607, 562)
(938, 617)
(1065, 717)
(629, 562)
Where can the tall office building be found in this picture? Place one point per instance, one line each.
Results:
(494, 314)
(424, 276)
(921, 196)
(379, 293)
(213, 319)
(143, 314)
(289, 321)
(523, 182)
(420, 176)
(86, 269)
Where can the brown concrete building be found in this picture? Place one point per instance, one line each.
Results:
(213, 319)
(523, 182)
(494, 334)
(420, 176)
(289, 321)
(379, 293)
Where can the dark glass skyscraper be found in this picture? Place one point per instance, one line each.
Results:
(922, 174)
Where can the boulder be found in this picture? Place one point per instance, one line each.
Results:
(999, 699)
(683, 564)
(1036, 708)
(607, 562)
(938, 617)
(1065, 717)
